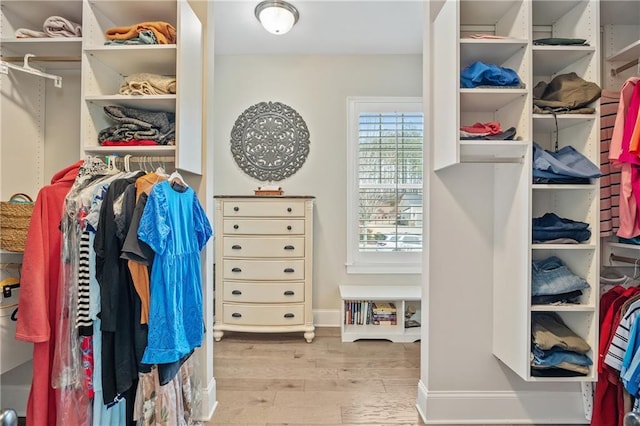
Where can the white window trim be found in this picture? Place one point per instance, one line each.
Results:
(373, 263)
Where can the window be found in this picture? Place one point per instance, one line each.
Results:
(385, 169)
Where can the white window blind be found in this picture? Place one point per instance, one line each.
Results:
(390, 170)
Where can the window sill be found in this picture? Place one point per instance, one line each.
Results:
(384, 268)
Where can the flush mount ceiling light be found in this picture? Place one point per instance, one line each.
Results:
(277, 16)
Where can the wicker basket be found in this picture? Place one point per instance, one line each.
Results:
(15, 215)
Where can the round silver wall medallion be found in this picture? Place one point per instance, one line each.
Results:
(270, 141)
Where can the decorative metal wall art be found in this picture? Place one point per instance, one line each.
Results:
(270, 141)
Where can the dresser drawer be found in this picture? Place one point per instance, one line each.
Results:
(268, 270)
(263, 247)
(255, 292)
(288, 208)
(263, 315)
(264, 226)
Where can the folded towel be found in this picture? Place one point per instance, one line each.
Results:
(148, 84)
(57, 26)
(27, 33)
(165, 33)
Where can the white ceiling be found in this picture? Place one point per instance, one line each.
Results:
(325, 27)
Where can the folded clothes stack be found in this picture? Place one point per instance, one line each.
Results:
(53, 26)
(156, 32)
(138, 127)
(148, 84)
(479, 74)
(563, 166)
(553, 229)
(486, 131)
(553, 282)
(557, 351)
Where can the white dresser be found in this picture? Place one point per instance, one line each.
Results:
(264, 265)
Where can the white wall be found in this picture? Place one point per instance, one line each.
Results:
(317, 88)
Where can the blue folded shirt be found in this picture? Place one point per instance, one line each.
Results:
(481, 74)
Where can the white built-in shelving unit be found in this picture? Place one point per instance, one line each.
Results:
(400, 296)
(104, 68)
(516, 199)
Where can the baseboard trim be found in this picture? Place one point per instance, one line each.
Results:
(208, 402)
(499, 407)
(326, 318)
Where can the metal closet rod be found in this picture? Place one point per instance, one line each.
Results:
(4, 69)
(616, 71)
(624, 259)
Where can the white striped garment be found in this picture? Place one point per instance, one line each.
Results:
(620, 340)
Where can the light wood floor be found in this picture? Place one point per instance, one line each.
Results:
(279, 379)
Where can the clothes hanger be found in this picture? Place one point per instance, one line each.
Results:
(176, 179)
(4, 69)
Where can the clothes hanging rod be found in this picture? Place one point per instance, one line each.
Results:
(616, 71)
(624, 259)
(4, 69)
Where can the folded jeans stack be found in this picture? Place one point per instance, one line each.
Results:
(551, 228)
(557, 350)
(553, 282)
(563, 166)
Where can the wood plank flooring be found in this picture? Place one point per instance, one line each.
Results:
(279, 379)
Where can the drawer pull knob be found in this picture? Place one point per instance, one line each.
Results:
(236, 270)
(238, 292)
(289, 209)
(289, 293)
(289, 315)
(289, 228)
(235, 209)
(289, 247)
(236, 315)
(236, 247)
(235, 227)
(288, 270)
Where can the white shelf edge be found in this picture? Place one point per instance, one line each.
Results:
(488, 151)
(589, 378)
(514, 41)
(380, 292)
(623, 246)
(143, 98)
(563, 246)
(168, 150)
(543, 186)
(128, 48)
(574, 48)
(627, 53)
(563, 308)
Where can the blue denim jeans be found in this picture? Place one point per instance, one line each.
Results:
(551, 276)
(565, 162)
(551, 227)
(554, 356)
